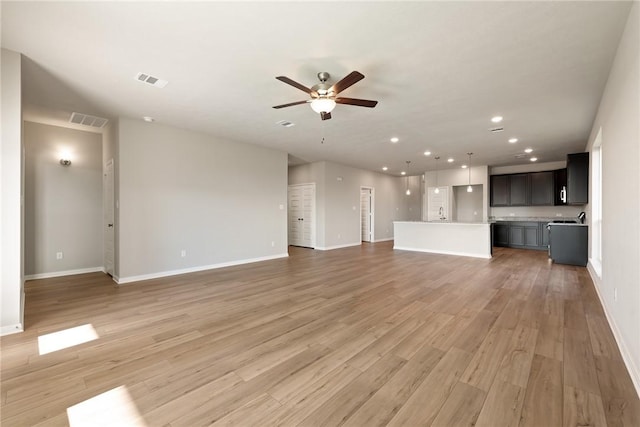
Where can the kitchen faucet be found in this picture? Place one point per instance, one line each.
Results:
(441, 213)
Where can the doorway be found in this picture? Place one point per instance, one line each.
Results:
(301, 215)
(366, 214)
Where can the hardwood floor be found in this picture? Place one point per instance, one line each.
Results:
(362, 336)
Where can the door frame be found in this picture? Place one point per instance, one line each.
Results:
(109, 209)
(372, 210)
(313, 212)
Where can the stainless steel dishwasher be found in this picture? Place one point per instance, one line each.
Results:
(568, 243)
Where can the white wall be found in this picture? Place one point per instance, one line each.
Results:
(460, 177)
(618, 116)
(181, 190)
(338, 192)
(63, 204)
(11, 186)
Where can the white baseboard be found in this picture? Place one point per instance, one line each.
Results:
(328, 248)
(634, 370)
(130, 279)
(443, 252)
(11, 329)
(383, 240)
(63, 273)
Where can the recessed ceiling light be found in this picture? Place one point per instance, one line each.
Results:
(528, 150)
(450, 160)
(384, 168)
(403, 173)
(463, 166)
(148, 119)
(513, 140)
(496, 119)
(394, 139)
(533, 159)
(427, 153)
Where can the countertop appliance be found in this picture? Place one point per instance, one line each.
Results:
(568, 243)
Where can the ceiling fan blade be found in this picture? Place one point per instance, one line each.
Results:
(291, 104)
(325, 115)
(351, 79)
(295, 84)
(358, 102)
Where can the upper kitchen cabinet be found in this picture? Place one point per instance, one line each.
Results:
(560, 187)
(500, 190)
(541, 188)
(519, 189)
(578, 179)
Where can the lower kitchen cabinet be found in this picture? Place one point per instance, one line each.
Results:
(523, 235)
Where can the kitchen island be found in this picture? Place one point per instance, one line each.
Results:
(472, 239)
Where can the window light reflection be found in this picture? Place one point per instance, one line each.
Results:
(66, 338)
(112, 408)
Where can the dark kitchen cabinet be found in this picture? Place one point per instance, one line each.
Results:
(560, 187)
(519, 189)
(578, 179)
(541, 188)
(500, 234)
(522, 235)
(500, 190)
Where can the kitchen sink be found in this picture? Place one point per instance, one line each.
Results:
(564, 221)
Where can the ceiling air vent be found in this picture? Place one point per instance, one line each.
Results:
(520, 156)
(496, 129)
(87, 120)
(153, 81)
(285, 123)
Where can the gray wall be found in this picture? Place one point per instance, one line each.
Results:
(181, 190)
(338, 193)
(63, 204)
(11, 186)
(618, 117)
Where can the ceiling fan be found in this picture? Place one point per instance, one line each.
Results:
(325, 97)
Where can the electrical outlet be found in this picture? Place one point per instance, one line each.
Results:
(281, 207)
(512, 214)
(558, 214)
(59, 255)
(615, 294)
(183, 253)
(339, 236)
(273, 244)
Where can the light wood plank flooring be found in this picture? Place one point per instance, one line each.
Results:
(362, 336)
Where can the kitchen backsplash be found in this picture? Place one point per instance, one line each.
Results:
(536, 211)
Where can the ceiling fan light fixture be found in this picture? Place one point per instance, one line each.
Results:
(323, 105)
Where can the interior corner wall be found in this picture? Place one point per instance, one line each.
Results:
(63, 204)
(338, 201)
(618, 115)
(459, 177)
(218, 201)
(11, 196)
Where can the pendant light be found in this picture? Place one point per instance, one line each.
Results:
(437, 190)
(469, 188)
(408, 192)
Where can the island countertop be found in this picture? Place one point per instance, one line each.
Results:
(453, 238)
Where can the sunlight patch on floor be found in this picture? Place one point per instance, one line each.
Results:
(66, 338)
(112, 408)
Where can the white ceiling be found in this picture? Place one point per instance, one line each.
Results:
(440, 71)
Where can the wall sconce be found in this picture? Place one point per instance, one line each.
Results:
(65, 162)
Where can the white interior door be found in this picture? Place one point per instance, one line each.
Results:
(366, 214)
(108, 218)
(301, 214)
